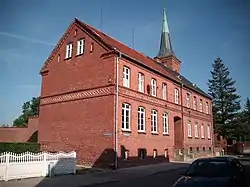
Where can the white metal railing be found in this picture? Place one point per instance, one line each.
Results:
(26, 165)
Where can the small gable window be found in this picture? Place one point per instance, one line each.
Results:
(80, 46)
(69, 49)
(91, 47)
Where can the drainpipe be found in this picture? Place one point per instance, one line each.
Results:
(116, 110)
(182, 115)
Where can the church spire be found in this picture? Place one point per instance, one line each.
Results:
(165, 46)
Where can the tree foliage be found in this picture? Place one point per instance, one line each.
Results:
(244, 119)
(226, 102)
(29, 108)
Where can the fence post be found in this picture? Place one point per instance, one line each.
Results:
(6, 178)
(45, 164)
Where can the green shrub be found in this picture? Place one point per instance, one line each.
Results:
(19, 147)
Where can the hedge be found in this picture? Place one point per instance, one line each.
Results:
(19, 147)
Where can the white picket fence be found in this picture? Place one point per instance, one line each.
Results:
(27, 165)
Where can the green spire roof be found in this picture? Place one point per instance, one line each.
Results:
(165, 22)
(165, 46)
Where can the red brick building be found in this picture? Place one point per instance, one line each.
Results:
(99, 96)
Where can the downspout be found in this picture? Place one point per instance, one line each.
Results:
(116, 110)
(182, 120)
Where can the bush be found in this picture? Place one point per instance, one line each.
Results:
(19, 147)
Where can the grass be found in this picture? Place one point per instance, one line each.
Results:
(80, 170)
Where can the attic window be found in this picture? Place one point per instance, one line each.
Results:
(179, 77)
(91, 47)
(75, 32)
(58, 58)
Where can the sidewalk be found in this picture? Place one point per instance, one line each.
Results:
(95, 178)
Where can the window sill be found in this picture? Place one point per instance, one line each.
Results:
(165, 134)
(141, 132)
(126, 130)
(125, 86)
(68, 58)
(196, 137)
(203, 138)
(154, 133)
(79, 54)
(209, 138)
(190, 137)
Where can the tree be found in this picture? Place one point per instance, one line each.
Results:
(245, 119)
(29, 108)
(226, 103)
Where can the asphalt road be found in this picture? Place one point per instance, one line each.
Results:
(165, 179)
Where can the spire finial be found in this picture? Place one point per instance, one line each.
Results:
(165, 47)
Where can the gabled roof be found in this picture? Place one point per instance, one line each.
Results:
(112, 44)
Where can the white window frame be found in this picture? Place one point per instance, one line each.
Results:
(69, 50)
(153, 87)
(126, 116)
(154, 121)
(207, 111)
(141, 82)
(189, 129)
(176, 96)
(164, 91)
(208, 132)
(126, 76)
(165, 123)
(201, 105)
(194, 103)
(80, 46)
(188, 100)
(141, 119)
(202, 131)
(196, 133)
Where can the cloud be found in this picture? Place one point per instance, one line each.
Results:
(26, 38)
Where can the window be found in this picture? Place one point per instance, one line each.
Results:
(188, 100)
(207, 108)
(164, 91)
(80, 47)
(140, 82)
(165, 122)
(204, 149)
(195, 103)
(126, 76)
(166, 153)
(69, 49)
(197, 149)
(91, 47)
(142, 153)
(202, 131)
(155, 153)
(190, 149)
(153, 86)
(176, 96)
(200, 105)
(141, 119)
(196, 130)
(58, 58)
(126, 116)
(154, 121)
(189, 129)
(208, 132)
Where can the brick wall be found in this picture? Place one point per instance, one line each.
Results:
(23, 134)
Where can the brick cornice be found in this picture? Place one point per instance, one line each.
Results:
(97, 92)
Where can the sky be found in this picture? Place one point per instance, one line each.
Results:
(200, 32)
